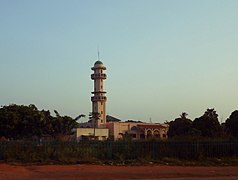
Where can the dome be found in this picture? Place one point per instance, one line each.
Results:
(98, 62)
(98, 65)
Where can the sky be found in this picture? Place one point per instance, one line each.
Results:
(163, 57)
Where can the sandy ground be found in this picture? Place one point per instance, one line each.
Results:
(45, 172)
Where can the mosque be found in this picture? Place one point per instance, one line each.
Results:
(103, 127)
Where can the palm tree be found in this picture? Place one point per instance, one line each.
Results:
(183, 115)
(79, 116)
(211, 113)
(94, 117)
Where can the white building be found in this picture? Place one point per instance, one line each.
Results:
(137, 130)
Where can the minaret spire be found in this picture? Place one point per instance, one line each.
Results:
(98, 54)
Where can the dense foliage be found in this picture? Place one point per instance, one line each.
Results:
(232, 124)
(19, 122)
(180, 126)
(206, 126)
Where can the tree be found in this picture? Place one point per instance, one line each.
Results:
(94, 117)
(8, 122)
(47, 126)
(231, 124)
(19, 121)
(208, 124)
(63, 125)
(180, 126)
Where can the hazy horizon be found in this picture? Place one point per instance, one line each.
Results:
(162, 57)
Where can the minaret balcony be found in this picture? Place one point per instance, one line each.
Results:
(98, 92)
(98, 98)
(98, 76)
(99, 67)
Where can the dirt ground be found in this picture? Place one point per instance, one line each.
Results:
(15, 172)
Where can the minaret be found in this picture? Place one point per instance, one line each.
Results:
(99, 99)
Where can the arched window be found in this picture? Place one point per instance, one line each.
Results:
(149, 133)
(156, 133)
(133, 128)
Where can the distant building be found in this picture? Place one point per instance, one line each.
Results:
(103, 127)
(137, 130)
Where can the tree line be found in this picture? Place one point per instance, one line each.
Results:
(206, 126)
(27, 122)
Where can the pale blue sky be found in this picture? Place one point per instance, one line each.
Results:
(163, 57)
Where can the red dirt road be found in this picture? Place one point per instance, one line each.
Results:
(59, 172)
